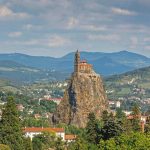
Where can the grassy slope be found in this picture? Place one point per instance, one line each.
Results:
(126, 84)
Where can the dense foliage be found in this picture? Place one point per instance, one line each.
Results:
(116, 133)
(47, 140)
(11, 130)
(4, 147)
(136, 141)
(10, 127)
(109, 133)
(32, 122)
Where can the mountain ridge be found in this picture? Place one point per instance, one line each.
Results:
(105, 64)
(128, 60)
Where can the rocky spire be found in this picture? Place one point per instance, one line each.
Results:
(84, 94)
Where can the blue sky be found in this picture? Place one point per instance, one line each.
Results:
(56, 27)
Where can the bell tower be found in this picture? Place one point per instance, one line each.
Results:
(76, 62)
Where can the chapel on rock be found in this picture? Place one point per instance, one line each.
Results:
(81, 66)
(84, 94)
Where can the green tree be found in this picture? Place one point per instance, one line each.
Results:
(111, 129)
(120, 114)
(50, 106)
(136, 118)
(92, 129)
(105, 116)
(71, 129)
(133, 141)
(59, 144)
(126, 125)
(4, 147)
(123, 121)
(32, 122)
(101, 144)
(79, 144)
(107, 145)
(136, 141)
(136, 110)
(10, 128)
(147, 128)
(28, 144)
(44, 141)
(92, 147)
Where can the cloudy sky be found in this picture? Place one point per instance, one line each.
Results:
(56, 27)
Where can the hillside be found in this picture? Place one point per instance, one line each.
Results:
(138, 77)
(21, 74)
(130, 87)
(103, 63)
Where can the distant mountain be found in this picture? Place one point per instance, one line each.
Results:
(104, 63)
(21, 74)
(31, 61)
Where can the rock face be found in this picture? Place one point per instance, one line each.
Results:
(84, 94)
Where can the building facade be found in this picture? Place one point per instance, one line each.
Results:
(33, 131)
(81, 66)
(60, 132)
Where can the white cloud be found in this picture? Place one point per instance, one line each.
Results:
(32, 27)
(6, 13)
(28, 26)
(134, 42)
(90, 21)
(57, 41)
(93, 28)
(44, 3)
(73, 22)
(120, 11)
(15, 34)
(52, 41)
(111, 37)
(131, 28)
(31, 42)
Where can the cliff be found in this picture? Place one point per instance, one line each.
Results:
(84, 94)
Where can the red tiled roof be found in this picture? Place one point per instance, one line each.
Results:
(83, 61)
(133, 116)
(39, 129)
(70, 137)
(129, 117)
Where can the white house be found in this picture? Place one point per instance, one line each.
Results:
(127, 112)
(32, 131)
(118, 104)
